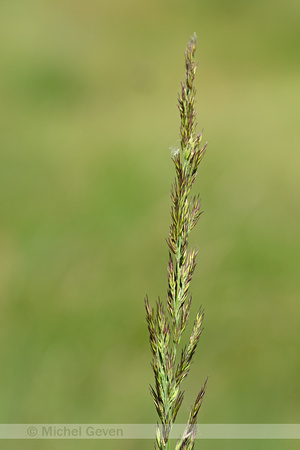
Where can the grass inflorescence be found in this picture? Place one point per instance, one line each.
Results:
(166, 323)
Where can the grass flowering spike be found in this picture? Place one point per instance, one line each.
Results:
(167, 325)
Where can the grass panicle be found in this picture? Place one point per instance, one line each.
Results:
(166, 324)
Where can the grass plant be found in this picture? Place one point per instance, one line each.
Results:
(167, 323)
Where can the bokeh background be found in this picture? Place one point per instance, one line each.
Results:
(88, 112)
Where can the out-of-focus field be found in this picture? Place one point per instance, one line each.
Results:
(88, 112)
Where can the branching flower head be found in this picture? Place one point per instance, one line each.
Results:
(167, 325)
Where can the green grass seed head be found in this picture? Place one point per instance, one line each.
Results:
(167, 325)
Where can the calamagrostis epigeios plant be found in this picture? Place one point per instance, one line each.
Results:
(167, 324)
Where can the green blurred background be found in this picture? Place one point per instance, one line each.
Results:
(88, 112)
